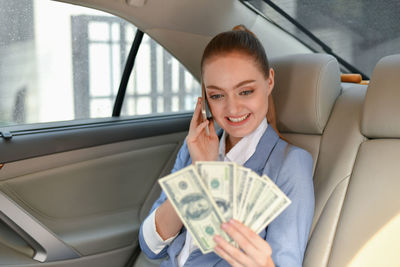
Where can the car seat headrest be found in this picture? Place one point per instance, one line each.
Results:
(306, 88)
(381, 114)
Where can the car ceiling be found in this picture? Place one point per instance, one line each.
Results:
(193, 23)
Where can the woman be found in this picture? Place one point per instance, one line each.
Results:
(238, 83)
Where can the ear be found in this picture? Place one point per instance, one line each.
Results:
(271, 81)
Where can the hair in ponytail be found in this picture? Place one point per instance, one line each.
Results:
(239, 39)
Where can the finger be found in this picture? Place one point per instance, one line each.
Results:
(196, 115)
(197, 131)
(252, 237)
(231, 254)
(220, 252)
(241, 239)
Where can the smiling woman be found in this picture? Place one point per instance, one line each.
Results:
(238, 82)
(237, 95)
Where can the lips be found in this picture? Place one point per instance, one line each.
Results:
(237, 120)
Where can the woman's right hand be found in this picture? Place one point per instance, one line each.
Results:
(201, 146)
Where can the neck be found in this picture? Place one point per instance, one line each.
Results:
(230, 142)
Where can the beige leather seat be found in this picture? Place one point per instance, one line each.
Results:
(337, 154)
(368, 232)
(307, 87)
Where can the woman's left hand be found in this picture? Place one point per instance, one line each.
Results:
(255, 250)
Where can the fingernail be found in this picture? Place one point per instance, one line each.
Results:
(232, 221)
(224, 226)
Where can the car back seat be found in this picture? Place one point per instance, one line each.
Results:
(368, 232)
(306, 90)
(338, 150)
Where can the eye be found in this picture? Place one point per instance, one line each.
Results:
(216, 96)
(246, 92)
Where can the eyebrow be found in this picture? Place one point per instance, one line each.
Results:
(236, 86)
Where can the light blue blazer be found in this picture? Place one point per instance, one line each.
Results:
(290, 168)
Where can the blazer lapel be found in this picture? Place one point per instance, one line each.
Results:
(263, 151)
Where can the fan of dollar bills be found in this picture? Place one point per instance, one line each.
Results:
(209, 193)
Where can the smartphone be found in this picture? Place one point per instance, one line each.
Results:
(205, 110)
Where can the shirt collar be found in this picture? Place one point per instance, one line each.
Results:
(245, 148)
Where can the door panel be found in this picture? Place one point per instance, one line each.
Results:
(92, 199)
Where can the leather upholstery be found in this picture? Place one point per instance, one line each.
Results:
(381, 117)
(306, 87)
(368, 232)
(337, 154)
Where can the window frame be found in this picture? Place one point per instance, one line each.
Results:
(8, 132)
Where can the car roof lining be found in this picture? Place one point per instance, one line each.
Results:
(165, 22)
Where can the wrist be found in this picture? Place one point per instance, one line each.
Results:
(167, 222)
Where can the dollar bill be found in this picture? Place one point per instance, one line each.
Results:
(257, 192)
(207, 194)
(240, 181)
(274, 203)
(246, 190)
(194, 206)
(219, 180)
(277, 209)
(264, 206)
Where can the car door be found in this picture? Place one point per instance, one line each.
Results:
(75, 181)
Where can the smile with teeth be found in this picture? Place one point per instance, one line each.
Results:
(239, 119)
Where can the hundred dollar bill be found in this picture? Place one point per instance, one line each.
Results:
(277, 209)
(194, 206)
(219, 180)
(247, 189)
(240, 182)
(268, 198)
(269, 213)
(254, 195)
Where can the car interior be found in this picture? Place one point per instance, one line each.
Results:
(75, 194)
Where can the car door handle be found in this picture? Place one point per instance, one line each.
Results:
(47, 246)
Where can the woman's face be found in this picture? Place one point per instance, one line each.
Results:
(237, 92)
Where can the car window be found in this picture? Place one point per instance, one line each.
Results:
(64, 62)
(158, 83)
(360, 32)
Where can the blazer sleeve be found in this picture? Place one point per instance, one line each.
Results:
(288, 233)
(182, 160)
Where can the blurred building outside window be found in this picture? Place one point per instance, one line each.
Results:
(64, 62)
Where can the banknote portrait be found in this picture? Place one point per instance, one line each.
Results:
(195, 206)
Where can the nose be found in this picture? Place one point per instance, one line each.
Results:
(233, 105)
